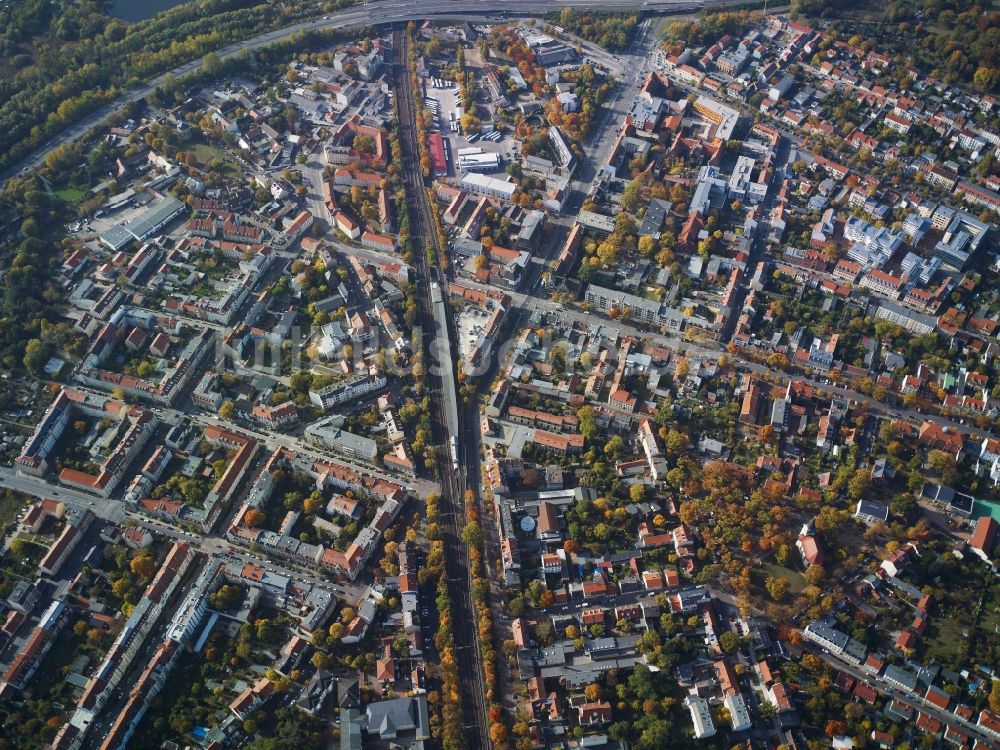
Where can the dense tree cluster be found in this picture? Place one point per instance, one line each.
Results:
(296, 730)
(472, 535)
(27, 306)
(648, 701)
(955, 41)
(612, 31)
(71, 57)
(446, 720)
(708, 29)
(423, 117)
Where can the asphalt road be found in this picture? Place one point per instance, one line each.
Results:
(712, 350)
(105, 508)
(274, 439)
(114, 511)
(312, 174)
(218, 546)
(918, 703)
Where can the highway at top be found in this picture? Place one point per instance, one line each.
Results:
(371, 13)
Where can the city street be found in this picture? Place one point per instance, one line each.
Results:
(114, 511)
(712, 350)
(106, 508)
(420, 486)
(945, 717)
(312, 175)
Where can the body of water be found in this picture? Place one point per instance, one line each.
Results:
(139, 10)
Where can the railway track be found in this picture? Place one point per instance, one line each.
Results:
(452, 510)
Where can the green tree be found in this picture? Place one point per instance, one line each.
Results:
(472, 535)
(615, 447)
(777, 587)
(364, 143)
(300, 381)
(36, 354)
(95, 637)
(858, 484)
(728, 642)
(607, 251)
(630, 197)
(676, 442)
(994, 698)
(211, 65)
(265, 629)
(941, 462)
(587, 422)
(815, 575)
(986, 78)
(227, 597)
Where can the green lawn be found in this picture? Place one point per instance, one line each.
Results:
(984, 645)
(796, 581)
(71, 194)
(947, 639)
(24, 551)
(10, 507)
(49, 675)
(962, 630)
(206, 154)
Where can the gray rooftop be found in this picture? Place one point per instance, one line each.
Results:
(901, 677)
(652, 220)
(405, 716)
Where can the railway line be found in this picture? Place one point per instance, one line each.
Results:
(432, 308)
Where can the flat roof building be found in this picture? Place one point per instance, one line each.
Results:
(725, 118)
(491, 187)
(701, 717)
(328, 433)
(151, 220)
(739, 714)
(483, 162)
(593, 220)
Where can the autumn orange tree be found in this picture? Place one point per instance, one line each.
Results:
(142, 566)
(473, 536)
(448, 728)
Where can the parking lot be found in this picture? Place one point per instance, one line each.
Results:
(448, 104)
